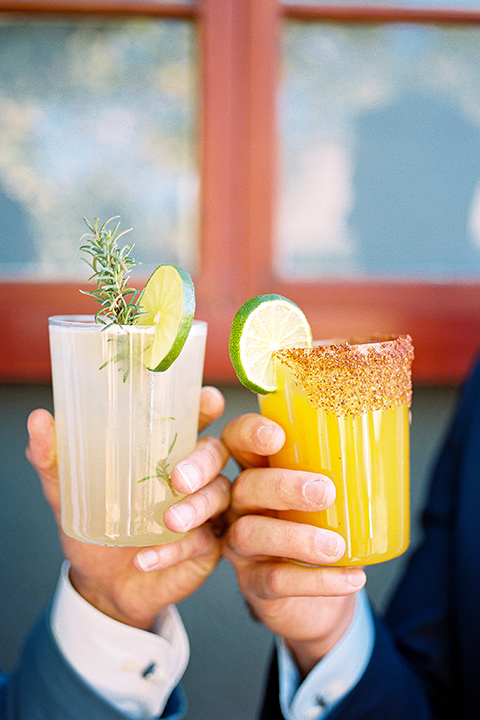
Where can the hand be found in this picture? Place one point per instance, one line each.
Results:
(113, 579)
(310, 607)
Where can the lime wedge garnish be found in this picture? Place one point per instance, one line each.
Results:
(167, 302)
(263, 325)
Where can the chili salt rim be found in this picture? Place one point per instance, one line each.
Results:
(351, 377)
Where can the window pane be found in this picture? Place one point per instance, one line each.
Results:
(380, 152)
(96, 119)
(454, 4)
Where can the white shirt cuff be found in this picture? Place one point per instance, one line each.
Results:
(336, 673)
(134, 670)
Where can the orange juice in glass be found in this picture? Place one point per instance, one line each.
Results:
(344, 407)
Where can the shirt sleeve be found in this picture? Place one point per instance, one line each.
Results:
(134, 670)
(334, 676)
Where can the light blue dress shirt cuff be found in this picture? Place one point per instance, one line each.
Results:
(334, 676)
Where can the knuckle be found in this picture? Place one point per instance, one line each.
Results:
(283, 486)
(322, 581)
(312, 542)
(225, 488)
(299, 537)
(214, 498)
(305, 539)
(204, 504)
(203, 542)
(212, 449)
(240, 488)
(239, 535)
(178, 552)
(271, 585)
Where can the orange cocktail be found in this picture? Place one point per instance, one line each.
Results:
(344, 409)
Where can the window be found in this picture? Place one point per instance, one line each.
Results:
(97, 117)
(326, 152)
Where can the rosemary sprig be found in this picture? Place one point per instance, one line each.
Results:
(162, 470)
(111, 267)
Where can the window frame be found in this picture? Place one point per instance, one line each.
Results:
(237, 150)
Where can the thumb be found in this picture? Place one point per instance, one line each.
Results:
(41, 454)
(251, 438)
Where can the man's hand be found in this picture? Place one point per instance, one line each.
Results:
(309, 606)
(114, 579)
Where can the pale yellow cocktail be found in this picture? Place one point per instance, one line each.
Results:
(344, 409)
(120, 428)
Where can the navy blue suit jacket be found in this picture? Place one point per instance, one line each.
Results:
(426, 658)
(45, 687)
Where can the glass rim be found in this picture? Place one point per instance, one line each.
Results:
(87, 322)
(361, 341)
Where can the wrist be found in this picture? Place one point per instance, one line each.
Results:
(309, 649)
(110, 603)
(335, 675)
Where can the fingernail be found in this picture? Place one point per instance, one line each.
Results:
(184, 515)
(331, 545)
(265, 435)
(316, 492)
(190, 474)
(147, 559)
(212, 390)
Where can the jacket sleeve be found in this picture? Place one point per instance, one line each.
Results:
(45, 687)
(388, 688)
(426, 614)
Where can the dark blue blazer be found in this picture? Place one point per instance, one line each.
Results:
(426, 658)
(45, 687)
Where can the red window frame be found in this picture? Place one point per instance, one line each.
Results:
(239, 45)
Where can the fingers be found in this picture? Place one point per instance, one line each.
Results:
(198, 543)
(256, 536)
(257, 547)
(212, 404)
(279, 489)
(201, 465)
(251, 438)
(196, 509)
(274, 581)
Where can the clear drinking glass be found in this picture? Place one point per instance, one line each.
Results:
(120, 428)
(345, 411)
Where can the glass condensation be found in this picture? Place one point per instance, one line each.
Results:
(97, 119)
(379, 132)
(120, 428)
(366, 456)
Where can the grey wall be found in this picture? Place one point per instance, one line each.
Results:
(228, 651)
